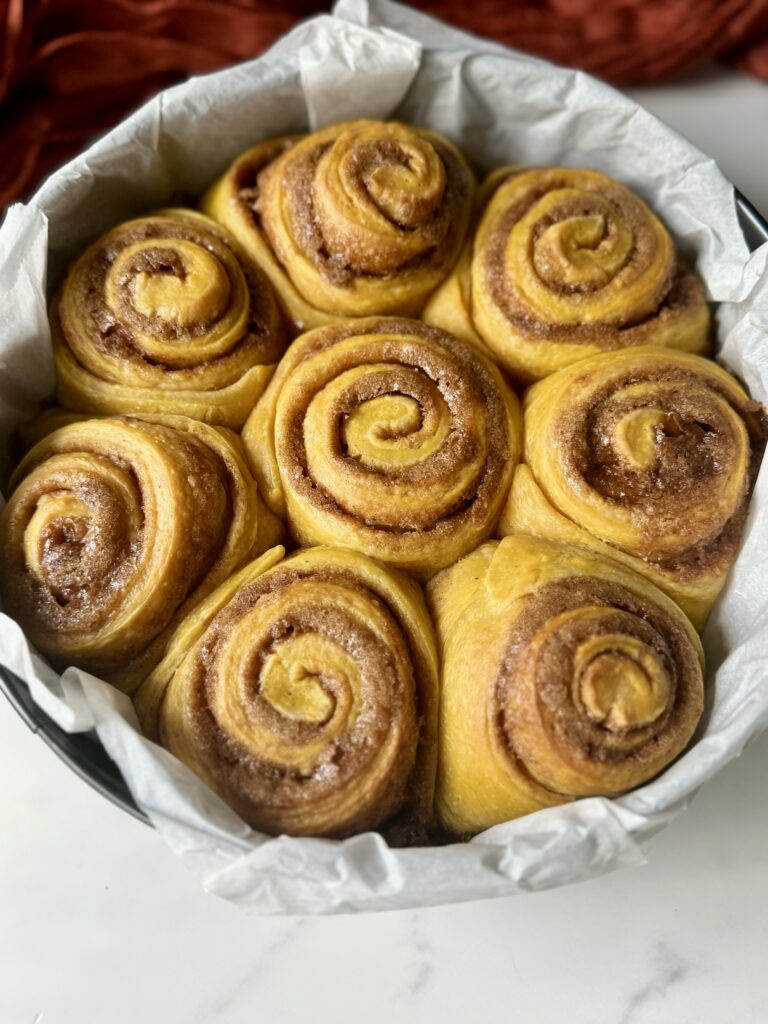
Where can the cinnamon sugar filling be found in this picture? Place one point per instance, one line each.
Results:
(116, 332)
(678, 291)
(478, 425)
(547, 663)
(381, 662)
(435, 218)
(692, 447)
(88, 564)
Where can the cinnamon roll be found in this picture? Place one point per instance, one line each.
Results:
(564, 264)
(387, 436)
(564, 675)
(165, 314)
(304, 691)
(116, 528)
(647, 456)
(362, 218)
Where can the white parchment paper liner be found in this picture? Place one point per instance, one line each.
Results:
(378, 59)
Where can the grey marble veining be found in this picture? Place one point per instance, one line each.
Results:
(668, 969)
(100, 923)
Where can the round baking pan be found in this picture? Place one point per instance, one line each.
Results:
(84, 753)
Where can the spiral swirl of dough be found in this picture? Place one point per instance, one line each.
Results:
(116, 527)
(566, 263)
(648, 456)
(387, 436)
(304, 692)
(165, 314)
(564, 675)
(362, 218)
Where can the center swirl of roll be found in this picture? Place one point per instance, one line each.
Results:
(373, 191)
(595, 678)
(295, 673)
(83, 526)
(652, 447)
(604, 673)
(585, 249)
(390, 448)
(306, 686)
(394, 428)
(185, 299)
(621, 682)
(299, 678)
(571, 247)
(179, 285)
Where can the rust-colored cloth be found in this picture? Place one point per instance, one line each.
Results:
(70, 69)
(626, 42)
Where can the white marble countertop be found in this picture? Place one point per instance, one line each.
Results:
(99, 922)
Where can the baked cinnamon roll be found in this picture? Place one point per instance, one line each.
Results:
(387, 436)
(116, 528)
(563, 675)
(304, 691)
(165, 314)
(361, 218)
(563, 264)
(647, 456)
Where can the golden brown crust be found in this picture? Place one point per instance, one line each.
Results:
(116, 527)
(647, 454)
(360, 218)
(566, 263)
(304, 691)
(564, 675)
(389, 436)
(165, 314)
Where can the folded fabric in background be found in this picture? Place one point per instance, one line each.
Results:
(70, 69)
